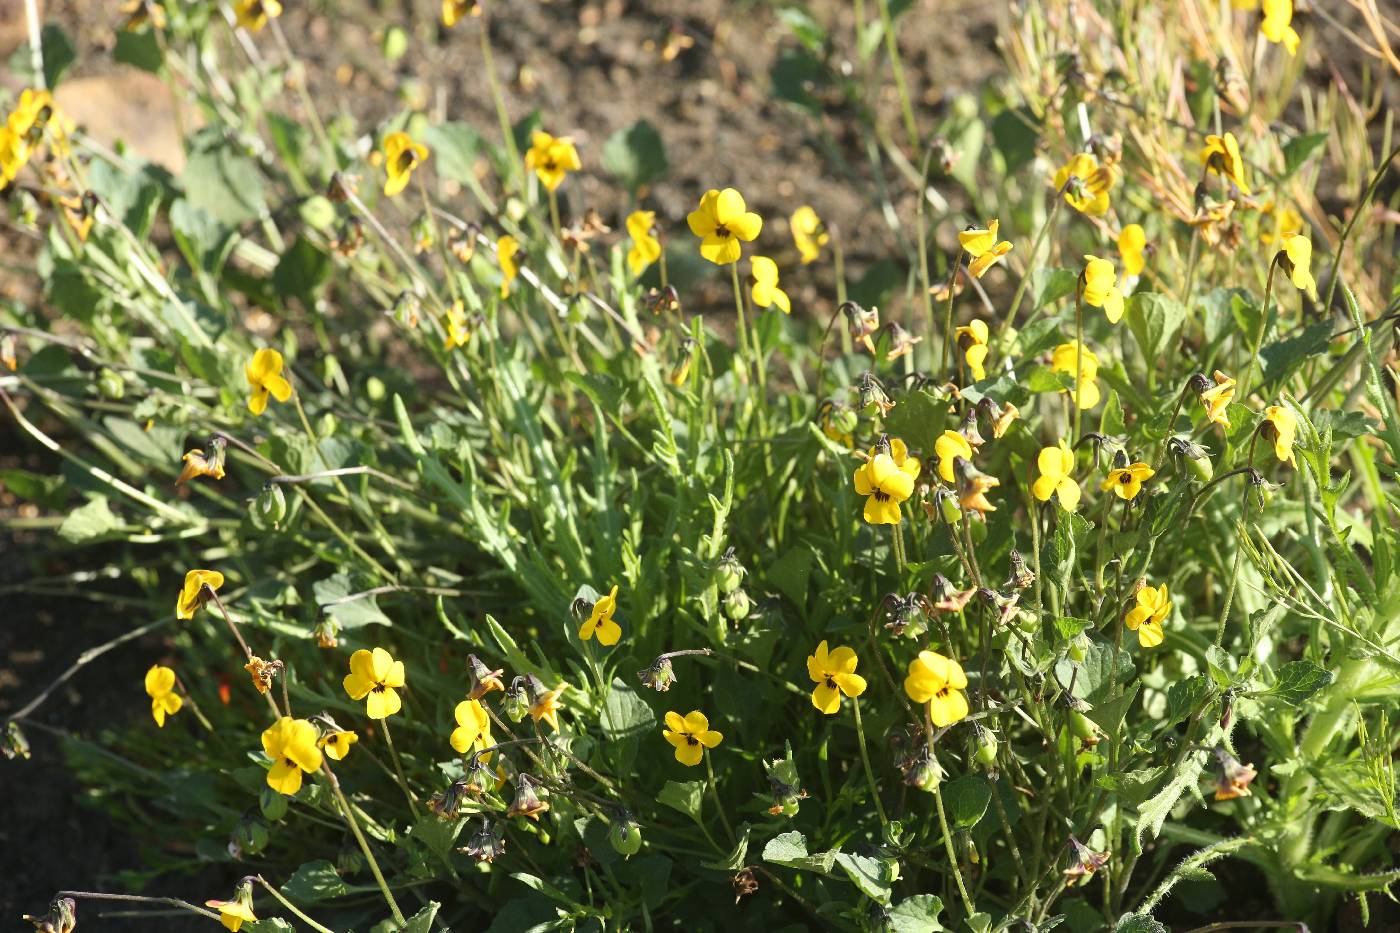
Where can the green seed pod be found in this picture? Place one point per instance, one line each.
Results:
(737, 605)
(318, 212)
(110, 384)
(948, 506)
(1201, 468)
(375, 388)
(626, 838)
(270, 507)
(729, 573)
(987, 745)
(1082, 726)
(1078, 648)
(272, 804)
(1028, 622)
(394, 44)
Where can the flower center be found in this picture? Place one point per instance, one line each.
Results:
(943, 692)
(289, 763)
(691, 740)
(378, 688)
(831, 681)
(881, 496)
(407, 160)
(1125, 478)
(722, 231)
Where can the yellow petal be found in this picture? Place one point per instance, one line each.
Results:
(381, 704)
(948, 709)
(284, 778)
(689, 755)
(675, 722)
(826, 699)
(729, 206)
(720, 250)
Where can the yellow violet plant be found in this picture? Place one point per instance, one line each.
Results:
(376, 678)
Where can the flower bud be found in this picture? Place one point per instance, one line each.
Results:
(484, 679)
(270, 507)
(326, 633)
(737, 605)
(110, 384)
(14, 744)
(516, 704)
(625, 837)
(947, 503)
(923, 771)
(1078, 648)
(729, 573)
(659, 677)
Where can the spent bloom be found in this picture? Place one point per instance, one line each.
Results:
(1068, 357)
(834, 673)
(1086, 862)
(473, 727)
(1146, 617)
(765, 290)
(1280, 426)
(192, 595)
(336, 743)
(484, 679)
(264, 372)
(197, 463)
(401, 156)
(1126, 481)
(646, 248)
(1232, 779)
(690, 735)
(1217, 398)
(1087, 192)
(375, 677)
(808, 233)
(544, 704)
(1132, 242)
(1295, 258)
(160, 687)
(1101, 289)
(1221, 155)
(886, 479)
(600, 621)
(253, 16)
(291, 744)
(721, 221)
(551, 158)
(506, 248)
(984, 247)
(972, 340)
(1056, 464)
(939, 682)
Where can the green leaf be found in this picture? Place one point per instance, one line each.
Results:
(1068, 627)
(1153, 319)
(807, 30)
(875, 288)
(352, 614)
(966, 799)
(58, 53)
(794, 74)
(270, 925)
(1044, 379)
(1050, 285)
(1298, 680)
(1184, 697)
(625, 715)
(792, 574)
(917, 914)
(917, 419)
(204, 241)
(222, 180)
(873, 876)
(93, 520)
(1282, 357)
(455, 148)
(49, 492)
(139, 49)
(636, 156)
(1153, 813)
(1016, 133)
(1109, 715)
(684, 797)
(1297, 150)
(422, 921)
(1111, 421)
(1138, 923)
(738, 856)
(314, 882)
(790, 849)
(302, 272)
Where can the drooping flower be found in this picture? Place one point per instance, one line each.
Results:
(721, 221)
(1232, 779)
(545, 705)
(949, 446)
(197, 463)
(192, 596)
(1101, 289)
(984, 247)
(973, 486)
(600, 621)
(454, 11)
(808, 233)
(527, 802)
(1295, 258)
(1217, 399)
(1088, 192)
(1221, 155)
(160, 687)
(1126, 482)
(291, 744)
(1068, 357)
(506, 248)
(1277, 25)
(337, 744)
(646, 248)
(233, 914)
(1056, 464)
(264, 372)
(473, 727)
(484, 680)
(1146, 618)
(1281, 426)
(487, 844)
(1086, 862)
(551, 158)
(938, 681)
(834, 673)
(765, 290)
(375, 677)
(886, 479)
(455, 324)
(401, 156)
(690, 735)
(1132, 241)
(262, 672)
(253, 15)
(972, 339)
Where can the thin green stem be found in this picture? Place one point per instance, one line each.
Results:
(1078, 356)
(292, 907)
(865, 759)
(398, 767)
(905, 104)
(714, 795)
(1040, 236)
(952, 854)
(350, 821)
(1247, 376)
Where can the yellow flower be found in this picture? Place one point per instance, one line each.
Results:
(809, 233)
(1286, 223)
(600, 621)
(141, 13)
(973, 486)
(721, 221)
(1277, 25)
(233, 914)
(690, 735)
(401, 156)
(886, 480)
(1295, 258)
(337, 744)
(376, 675)
(949, 446)
(1217, 399)
(160, 687)
(972, 338)
(939, 682)
(1068, 357)
(264, 372)
(834, 673)
(253, 15)
(473, 727)
(1146, 618)
(453, 11)
(1089, 194)
(551, 158)
(1222, 156)
(765, 289)
(1100, 288)
(984, 248)
(291, 744)
(546, 706)
(506, 248)
(1127, 481)
(646, 249)
(1055, 465)
(192, 593)
(197, 463)
(458, 333)
(1132, 240)
(1282, 424)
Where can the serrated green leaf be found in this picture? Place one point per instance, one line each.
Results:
(917, 914)
(88, 522)
(1153, 319)
(1298, 680)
